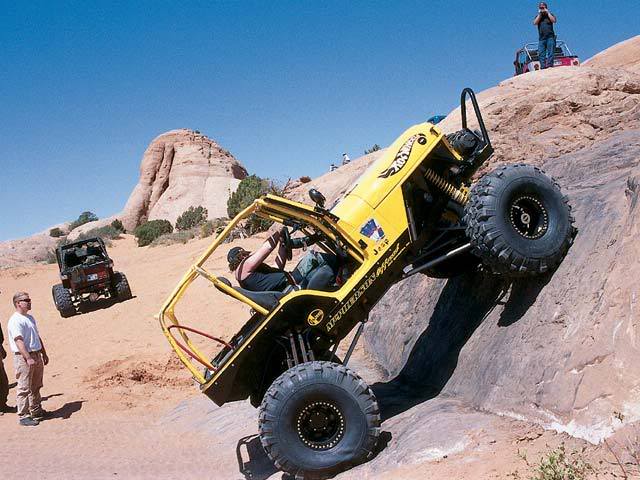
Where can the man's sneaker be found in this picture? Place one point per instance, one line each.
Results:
(29, 422)
(41, 415)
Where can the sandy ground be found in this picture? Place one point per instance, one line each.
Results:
(124, 406)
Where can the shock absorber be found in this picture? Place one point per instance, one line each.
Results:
(458, 195)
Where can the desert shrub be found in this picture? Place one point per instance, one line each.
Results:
(106, 232)
(375, 148)
(149, 231)
(210, 227)
(559, 465)
(192, 217)
(50, 256)
(117, 224)
(249, 189)
(181, 236)
(85, 217)
(305, 179)
(55, 232)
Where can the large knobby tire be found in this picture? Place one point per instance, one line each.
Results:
(518, 221)
(121, 287)
(63, 301)
(317, 419)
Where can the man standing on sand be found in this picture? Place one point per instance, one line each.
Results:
(546, 35)
(29, 358)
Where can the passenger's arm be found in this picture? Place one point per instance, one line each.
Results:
(256, 258)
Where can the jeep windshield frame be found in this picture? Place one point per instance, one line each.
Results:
(289, 213)
(64, 249)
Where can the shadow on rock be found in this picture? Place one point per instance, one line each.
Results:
(258, 465)
(67, 409)
(100, 304)
(462, 306)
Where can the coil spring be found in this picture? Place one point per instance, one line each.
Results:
(456, 194)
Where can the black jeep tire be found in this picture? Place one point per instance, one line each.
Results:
(319, 418)
(121, 287)
(63, 301)
(518, 221)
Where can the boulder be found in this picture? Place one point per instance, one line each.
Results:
(180, 169)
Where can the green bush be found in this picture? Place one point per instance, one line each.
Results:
(192, 217)
(55, 232)
(108, 232)
(181, 236)
(117, 224)
(85, 217)
(149, 231)
(375, 148)
(249, 189)
(210, 227)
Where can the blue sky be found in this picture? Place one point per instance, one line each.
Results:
(286, 86)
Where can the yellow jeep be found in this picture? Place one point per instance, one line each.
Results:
(412, 211)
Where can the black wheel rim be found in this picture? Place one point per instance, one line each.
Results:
(529, 217)
(320, 425)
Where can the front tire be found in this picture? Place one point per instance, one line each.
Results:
(63, 301)
(317, 419)
(518, 221)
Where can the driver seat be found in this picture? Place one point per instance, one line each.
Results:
(266, 299)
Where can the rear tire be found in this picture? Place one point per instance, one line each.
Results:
(317, 419)
(122, 288)
(63, 301)
(518, 221)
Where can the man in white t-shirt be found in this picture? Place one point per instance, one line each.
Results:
(29, 358)
(345, 159)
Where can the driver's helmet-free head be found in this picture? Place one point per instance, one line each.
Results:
(235, 256)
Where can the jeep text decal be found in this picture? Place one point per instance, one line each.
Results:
(373, 276)
(403, 155)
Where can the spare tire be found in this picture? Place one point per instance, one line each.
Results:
(518, 221)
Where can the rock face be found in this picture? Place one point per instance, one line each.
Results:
(180, 169)
(560, 350)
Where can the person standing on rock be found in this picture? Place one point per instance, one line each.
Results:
(546, 35)
(345, 159)
(29, 359)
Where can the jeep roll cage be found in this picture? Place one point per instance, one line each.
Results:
(66, 252)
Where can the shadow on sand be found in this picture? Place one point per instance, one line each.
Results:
(465, 302)
(100, 304)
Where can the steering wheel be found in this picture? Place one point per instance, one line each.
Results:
(285, 238)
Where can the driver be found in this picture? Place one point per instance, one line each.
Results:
(315, 271)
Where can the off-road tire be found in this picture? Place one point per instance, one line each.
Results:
(121, 287)
(317, 419)
(518, 221)
(63, 301)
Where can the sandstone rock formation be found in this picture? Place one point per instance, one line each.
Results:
(180, 169)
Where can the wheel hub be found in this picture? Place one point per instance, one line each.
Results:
(320, 425)
(529, 217)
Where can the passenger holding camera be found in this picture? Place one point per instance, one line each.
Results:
(546, 35)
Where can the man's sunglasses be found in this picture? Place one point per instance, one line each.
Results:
(28, 300)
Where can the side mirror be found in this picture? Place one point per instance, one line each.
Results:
(317, 197)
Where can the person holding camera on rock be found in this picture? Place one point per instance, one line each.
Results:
(546, 35)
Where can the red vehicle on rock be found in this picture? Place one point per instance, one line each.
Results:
(527, 57)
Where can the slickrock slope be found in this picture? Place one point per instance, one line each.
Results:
(621, 55)
(561, 350)
(180, 169)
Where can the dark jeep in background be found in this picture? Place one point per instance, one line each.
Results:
(87, 274)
